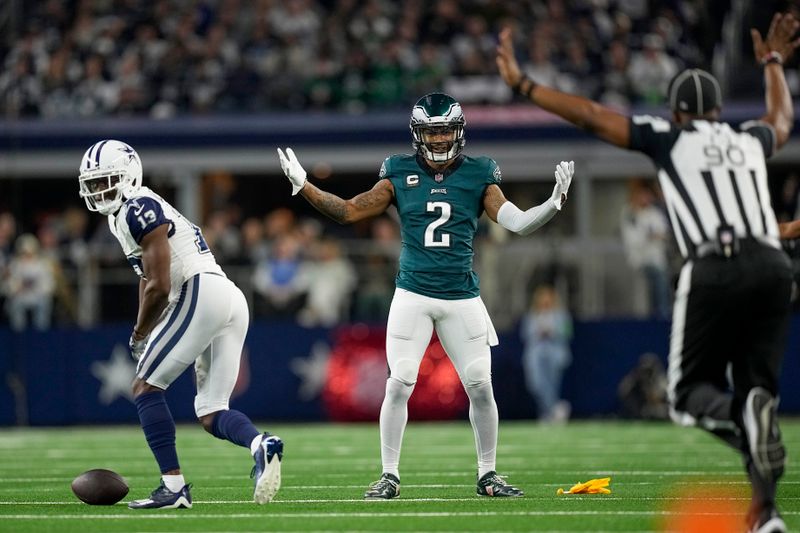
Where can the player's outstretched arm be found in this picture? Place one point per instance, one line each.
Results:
(508, 215)
(365, 205)
(771, 52)
(595, 118)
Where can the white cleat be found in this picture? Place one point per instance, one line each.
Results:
(267, 470)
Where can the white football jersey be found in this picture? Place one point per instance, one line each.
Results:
(189, 253)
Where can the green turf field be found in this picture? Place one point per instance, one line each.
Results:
(327, 467)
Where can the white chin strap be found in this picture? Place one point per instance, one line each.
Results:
(107, 207)
(104, 207)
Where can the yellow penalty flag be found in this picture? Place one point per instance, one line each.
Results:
(593, 486)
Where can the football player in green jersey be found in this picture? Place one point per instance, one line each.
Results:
(439, 193)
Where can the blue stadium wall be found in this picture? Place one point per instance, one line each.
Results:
(72, 376)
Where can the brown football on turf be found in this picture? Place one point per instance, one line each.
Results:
(100, 487)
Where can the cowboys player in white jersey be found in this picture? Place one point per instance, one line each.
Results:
(189, 312)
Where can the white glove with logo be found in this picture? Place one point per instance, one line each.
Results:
(137, 347)
(564, 172)
(293, 170)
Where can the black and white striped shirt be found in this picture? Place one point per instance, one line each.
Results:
(711, 176)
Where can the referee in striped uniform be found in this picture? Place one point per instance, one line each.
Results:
(732, 303)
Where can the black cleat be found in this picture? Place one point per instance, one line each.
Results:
(493, 485)
(763, 435)
(163, 498)
(386, 488)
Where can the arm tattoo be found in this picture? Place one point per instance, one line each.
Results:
(368, 200)
(326, 203)
(366, 204)
(493, 200)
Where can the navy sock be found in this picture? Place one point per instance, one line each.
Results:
(159, 429)
(234, 426)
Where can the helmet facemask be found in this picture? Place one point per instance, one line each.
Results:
(102, 191)
(111, 172)
(437, 127)
(428, 139)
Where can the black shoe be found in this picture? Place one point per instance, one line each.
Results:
(163, 498)
(763, 434)
(493, 485)
(769, 521)
(386, 488)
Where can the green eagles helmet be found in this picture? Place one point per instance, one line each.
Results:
(437, 113)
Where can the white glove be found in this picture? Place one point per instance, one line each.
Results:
(293, 170)
(137, 347)
(564, 172)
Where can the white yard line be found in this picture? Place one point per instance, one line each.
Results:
(428, 473)
(590, 497)
(416, 485)
(205, 516)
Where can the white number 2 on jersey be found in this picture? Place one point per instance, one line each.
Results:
(430, 231)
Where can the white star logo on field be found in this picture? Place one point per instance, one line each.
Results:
(312, 371)
(115, 375)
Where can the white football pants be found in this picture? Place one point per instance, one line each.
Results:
(466, 333)
(206, 326)
(463, 327)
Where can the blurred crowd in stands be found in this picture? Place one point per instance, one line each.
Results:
(161, 58)
(63, 266)
(289, 267)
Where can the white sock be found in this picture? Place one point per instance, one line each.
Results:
(255, 443)
(484, 419)
(394, 415)
(174, 483)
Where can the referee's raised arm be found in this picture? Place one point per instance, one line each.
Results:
(771, 52)
(587, 114)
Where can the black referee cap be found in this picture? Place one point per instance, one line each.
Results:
(694, 91)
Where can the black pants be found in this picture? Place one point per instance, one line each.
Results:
(730, 314)
(729, 311)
